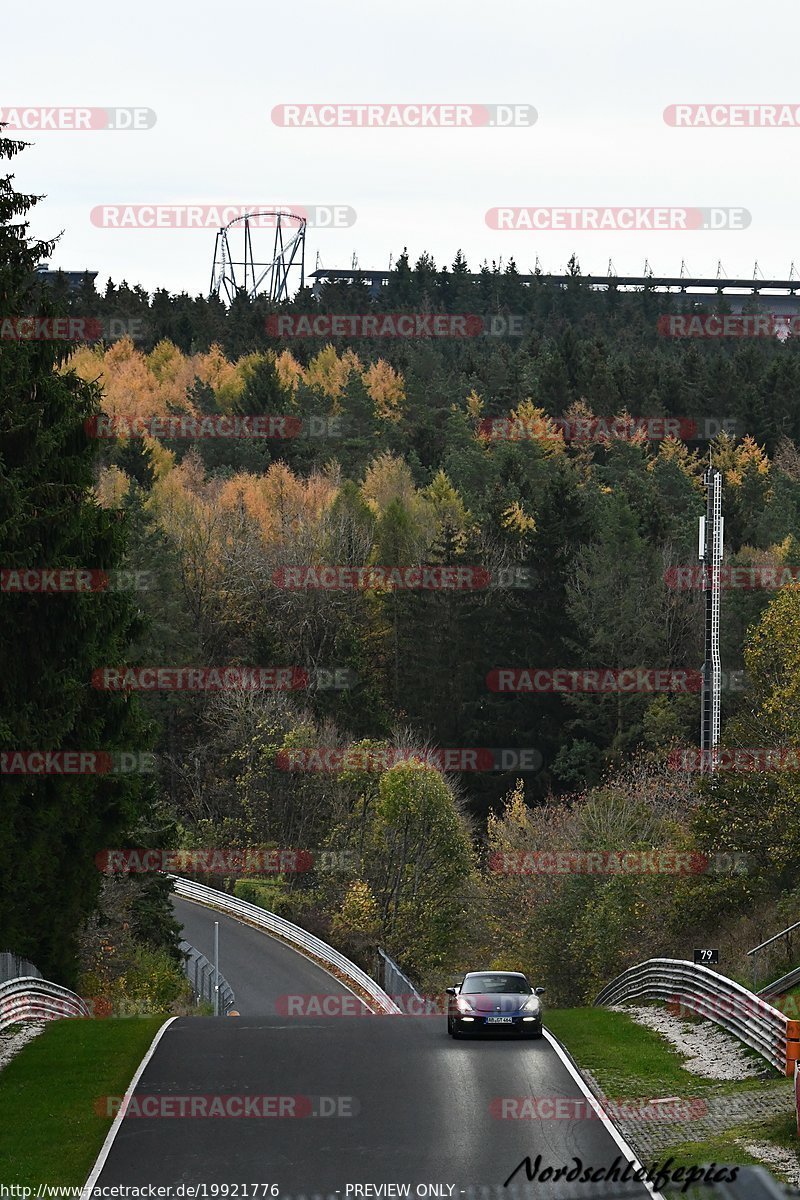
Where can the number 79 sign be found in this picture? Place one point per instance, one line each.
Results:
(706, 958)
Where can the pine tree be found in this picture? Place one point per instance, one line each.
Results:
(53, 825)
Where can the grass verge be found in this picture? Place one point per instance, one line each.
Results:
(49, 1129)
(630, 1061)
(779, 1131)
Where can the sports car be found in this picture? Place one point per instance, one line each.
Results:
(494, 1002)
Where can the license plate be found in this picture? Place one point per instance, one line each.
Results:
(499, 1020)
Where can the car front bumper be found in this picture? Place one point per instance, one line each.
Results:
(515, 1024)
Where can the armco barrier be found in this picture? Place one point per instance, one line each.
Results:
(32, 999)
(780, 986)
(200, 972)
(708, 994)
(393, 980)
(14, 967)
(314, 947)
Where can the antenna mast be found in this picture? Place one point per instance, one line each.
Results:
(711, 549)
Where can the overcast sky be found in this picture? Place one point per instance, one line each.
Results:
(598, 74)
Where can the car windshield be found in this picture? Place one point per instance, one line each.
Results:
(494, 983)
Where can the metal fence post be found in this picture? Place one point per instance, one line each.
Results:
(216, 968)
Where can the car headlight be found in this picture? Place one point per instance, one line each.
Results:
(531, 1006)
(463, 1005)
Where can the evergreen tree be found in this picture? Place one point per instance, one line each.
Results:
(53, 825)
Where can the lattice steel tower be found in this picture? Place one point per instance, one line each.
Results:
(267, 277)
(711, 549)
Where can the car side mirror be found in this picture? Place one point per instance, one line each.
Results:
(450, 991)
(539, 991)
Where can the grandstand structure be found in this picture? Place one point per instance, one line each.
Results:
(774, 295)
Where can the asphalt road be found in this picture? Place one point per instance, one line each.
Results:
(407, 1104)
(260, 969)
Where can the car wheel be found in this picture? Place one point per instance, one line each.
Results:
(537, 1033)
(450, 1026)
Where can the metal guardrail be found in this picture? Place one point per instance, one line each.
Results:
(774, 938)
(199, 970)
(14, 967)
(394, 982)
(719, 999)
(778, 986)
(301, 939)
(771, 942)
(30, 998)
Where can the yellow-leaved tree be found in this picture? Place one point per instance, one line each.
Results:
(753, 810)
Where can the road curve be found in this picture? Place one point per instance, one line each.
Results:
(259, 968)
(409, 1105)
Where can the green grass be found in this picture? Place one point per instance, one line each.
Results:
(781, 1131)
(721, 1150)
(778, 1131)
(49, 1129)
(628, 1060)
